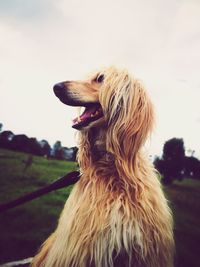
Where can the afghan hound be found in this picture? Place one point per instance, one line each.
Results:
(116, 214)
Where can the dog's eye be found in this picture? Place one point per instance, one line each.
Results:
(99, 78)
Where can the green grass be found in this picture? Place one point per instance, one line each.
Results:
(23, 229)
(185, 202)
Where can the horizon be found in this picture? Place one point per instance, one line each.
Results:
(45, 42)
(188, 152)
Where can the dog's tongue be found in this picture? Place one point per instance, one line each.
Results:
(89, 112)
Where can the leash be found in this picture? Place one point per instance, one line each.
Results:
(68, 179)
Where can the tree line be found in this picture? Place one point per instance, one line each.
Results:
(31, 145)
(174, 164)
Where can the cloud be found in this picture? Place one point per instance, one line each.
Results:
(44, 42)
(23, 10)
(182, 80)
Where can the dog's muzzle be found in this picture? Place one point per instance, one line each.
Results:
(59, 90)
(93, 111)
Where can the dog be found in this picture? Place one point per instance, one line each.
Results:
(116, 214)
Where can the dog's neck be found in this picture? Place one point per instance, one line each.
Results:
(97, 139)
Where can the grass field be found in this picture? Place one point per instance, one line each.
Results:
(23, 229)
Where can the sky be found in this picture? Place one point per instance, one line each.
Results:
(43, 42)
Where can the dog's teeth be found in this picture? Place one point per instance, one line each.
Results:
(94, 114)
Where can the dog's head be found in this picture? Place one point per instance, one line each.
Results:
(113, 99)
(83, 94)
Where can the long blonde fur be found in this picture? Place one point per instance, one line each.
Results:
(117, 214)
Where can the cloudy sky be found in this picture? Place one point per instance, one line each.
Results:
(43, 42)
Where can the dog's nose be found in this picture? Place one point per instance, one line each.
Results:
(59, 89)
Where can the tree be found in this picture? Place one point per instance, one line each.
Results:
(20, 142)
(57, 150)
(75, 150)
(174, 149)
(34, 147)
(69, 153)
(46, 148)
(192, 167)
(171, 165)
(6, 138)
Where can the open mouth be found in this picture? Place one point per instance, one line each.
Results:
(91, 113)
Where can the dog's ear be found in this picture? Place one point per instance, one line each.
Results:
(129, 114)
